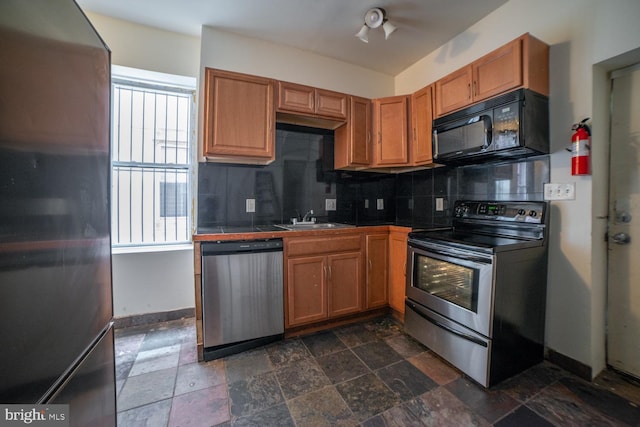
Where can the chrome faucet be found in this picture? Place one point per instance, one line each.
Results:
(307, 216)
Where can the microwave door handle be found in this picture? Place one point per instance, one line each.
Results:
(488, 132)
(435, 144)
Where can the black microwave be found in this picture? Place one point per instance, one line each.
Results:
(512, 125)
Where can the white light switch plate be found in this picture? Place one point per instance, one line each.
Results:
(251, 205)
(380, 204)
(553, 191)
(439, 204)
(330, 204)
(366, 203)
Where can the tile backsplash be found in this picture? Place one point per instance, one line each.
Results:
(302, 178)
(299, 180)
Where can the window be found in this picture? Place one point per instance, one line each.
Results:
(151, 160)
(172, 197)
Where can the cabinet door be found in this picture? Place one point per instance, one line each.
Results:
(306, 290)
(377, 261)
(344, 283)
(331, 104)
(397, 270)
(238, 116)
(353, 139)
(421, 123)
(454, 91)
(498, 71)
(296, 98)
(391, 128)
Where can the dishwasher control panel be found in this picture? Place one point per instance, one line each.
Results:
(234, 246)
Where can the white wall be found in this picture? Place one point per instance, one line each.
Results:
(151, 281)
(581, 33)
(233, 52)
(148, 48)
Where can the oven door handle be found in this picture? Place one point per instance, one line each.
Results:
(468, 337)
(453, 254)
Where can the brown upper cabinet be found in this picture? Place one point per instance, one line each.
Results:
(353, 139)
(421, 123)
(524, 62)
(295, 98)
(239, 118)
(391, 131)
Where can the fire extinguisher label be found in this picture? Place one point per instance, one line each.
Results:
(580, 148)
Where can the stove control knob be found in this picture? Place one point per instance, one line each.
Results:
(533, 214)
(461, 210)
(521, 212)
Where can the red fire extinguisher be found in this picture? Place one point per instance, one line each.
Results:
(581, 148)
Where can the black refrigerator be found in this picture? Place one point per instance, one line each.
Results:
(56, 310)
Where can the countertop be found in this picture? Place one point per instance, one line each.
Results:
(259, 232)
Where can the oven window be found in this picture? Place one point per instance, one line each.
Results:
(451, 282)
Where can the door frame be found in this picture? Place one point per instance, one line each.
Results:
(611, 75)
(600, 152)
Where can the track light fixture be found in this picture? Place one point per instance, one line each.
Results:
(373, 18)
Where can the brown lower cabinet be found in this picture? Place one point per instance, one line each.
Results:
(377, 260)
(323, 279)
(397, 269)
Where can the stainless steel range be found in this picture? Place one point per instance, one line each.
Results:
(476, 292)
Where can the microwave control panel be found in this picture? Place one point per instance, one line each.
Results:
(506, 126)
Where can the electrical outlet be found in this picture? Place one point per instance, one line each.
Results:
(439, 204)
(560, 191)
(380, 204)
(330, 204)
(250, 205)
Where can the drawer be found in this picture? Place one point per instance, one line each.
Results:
(317, 245)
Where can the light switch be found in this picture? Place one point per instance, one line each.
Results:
(439, 204)
(380, 204)
(251, 205)
(366, 203)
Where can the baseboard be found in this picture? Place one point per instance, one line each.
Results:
(577, 368)
(149, 318)
(334, 323)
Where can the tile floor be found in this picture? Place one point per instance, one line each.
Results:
(367, 374)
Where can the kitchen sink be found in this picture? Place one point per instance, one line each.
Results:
(314, 226)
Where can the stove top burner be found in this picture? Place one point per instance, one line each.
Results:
(490, 227)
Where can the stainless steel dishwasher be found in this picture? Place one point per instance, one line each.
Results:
(242, 295)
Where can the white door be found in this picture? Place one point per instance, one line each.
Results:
(623, 328)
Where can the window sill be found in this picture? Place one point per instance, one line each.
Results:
(150, 249)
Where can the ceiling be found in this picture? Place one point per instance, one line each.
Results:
(325, 27)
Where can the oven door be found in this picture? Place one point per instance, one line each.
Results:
(455, 283)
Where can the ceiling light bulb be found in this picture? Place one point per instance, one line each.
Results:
(363, 34)
(374, 17)
(388, 28)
